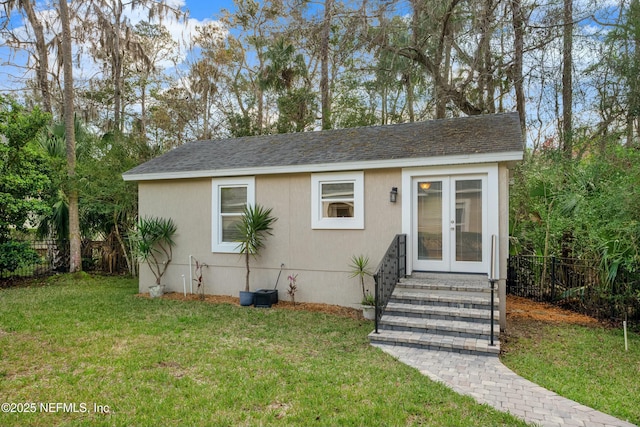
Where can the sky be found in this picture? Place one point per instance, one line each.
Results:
(207, 9)
(200, 12)
(13, 78)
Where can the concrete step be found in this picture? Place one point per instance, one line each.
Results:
(454, 328)
(444, 285)
(428, 276)
(475, 300)
(442, 312)
(449, 312)
(436, 342)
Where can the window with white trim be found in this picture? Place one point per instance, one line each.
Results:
(230, 196)
(337, 200)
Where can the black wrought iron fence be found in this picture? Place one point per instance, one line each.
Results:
(36, 258)
(577, 285)
(391, 269)
(33, 258)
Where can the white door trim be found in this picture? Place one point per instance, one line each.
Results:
(492, 201)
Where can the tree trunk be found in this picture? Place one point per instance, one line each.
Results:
(567, 84)
(123, 248)
(441, 103)
(444, 62)
(488, 82)
(116, 67)
(633, 97)
(490, 88)
(75, 262)
(408, 84)
(143, 107)
(259, 121)
(324, 58)
(246, 260)
(383, 112)
(42, 64)
(260, 94)
(518, 41)
(205, 119)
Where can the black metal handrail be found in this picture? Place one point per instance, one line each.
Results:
(391, 269)
(492, 283)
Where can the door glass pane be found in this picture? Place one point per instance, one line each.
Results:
(429, 220)
(469, 220)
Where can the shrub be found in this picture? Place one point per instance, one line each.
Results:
(14, 255)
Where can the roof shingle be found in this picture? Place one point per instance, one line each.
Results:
(496, 133)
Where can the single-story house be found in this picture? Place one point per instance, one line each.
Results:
(332, 194)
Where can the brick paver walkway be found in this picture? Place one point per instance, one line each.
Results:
(488, 381)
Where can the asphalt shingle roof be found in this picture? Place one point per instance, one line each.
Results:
(496, 133)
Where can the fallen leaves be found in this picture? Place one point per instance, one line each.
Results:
(519, 308)
(335, 310)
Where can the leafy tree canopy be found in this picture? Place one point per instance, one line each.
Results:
(23, 174)
(585, 208)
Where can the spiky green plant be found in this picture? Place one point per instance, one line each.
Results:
(56, 223)
(360, 268)
(253, 228)
(154, 243)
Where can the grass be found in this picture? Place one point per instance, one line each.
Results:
(584, 363)
(84, 340)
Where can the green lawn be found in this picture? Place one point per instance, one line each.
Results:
(83, 341)
(584, 363)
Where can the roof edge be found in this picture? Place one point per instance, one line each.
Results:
(506, 156)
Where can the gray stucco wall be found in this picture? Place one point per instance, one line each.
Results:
(319, 257)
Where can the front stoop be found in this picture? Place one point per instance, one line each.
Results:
(441, 312)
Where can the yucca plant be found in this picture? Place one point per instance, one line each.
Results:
(253, 228)
(154, 243)
(360, 268)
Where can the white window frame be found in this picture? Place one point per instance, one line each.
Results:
(216, 224)
(318, 221)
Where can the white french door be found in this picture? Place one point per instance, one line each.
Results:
(450, 223)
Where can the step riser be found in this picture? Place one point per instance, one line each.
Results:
(441, 313)
(446, 332)
(447, 279)
(428, 346)
(434, 316)
(442, 287)
(452, 304)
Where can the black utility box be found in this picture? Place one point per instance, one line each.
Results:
(265, 298)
